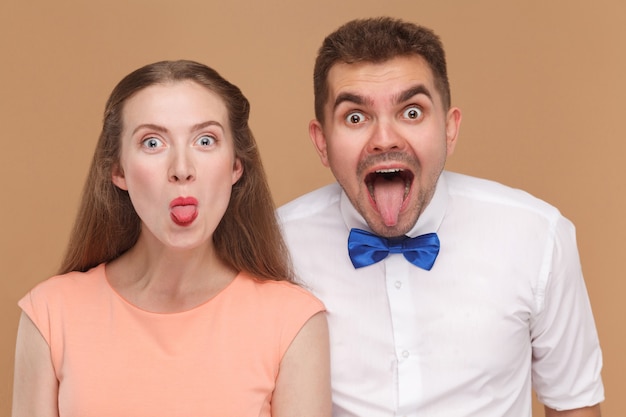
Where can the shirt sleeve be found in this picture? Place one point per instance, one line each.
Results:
(567, 359)
(299, 307)
(35, 306)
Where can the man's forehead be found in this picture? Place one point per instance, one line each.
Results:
(389, 78)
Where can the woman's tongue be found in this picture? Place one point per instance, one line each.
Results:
(184, 214)
(389, 195)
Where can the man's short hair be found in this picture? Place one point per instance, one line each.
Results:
(378, 40)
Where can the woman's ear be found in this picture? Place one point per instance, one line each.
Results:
(237, 170)
(118, 178)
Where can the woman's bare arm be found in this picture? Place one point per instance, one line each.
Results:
(303, 384)
(35, 386)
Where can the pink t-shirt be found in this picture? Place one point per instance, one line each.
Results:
(218, 359)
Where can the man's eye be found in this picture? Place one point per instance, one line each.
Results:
(152, 143)
(355, 118)
(205, 140)
(412, 113)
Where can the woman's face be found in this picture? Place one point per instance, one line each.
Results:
(177, 161)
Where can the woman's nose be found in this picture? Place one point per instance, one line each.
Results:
(182, 168)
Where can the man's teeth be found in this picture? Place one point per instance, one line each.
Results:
(388, 171)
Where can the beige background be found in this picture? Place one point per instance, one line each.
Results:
(541, 85)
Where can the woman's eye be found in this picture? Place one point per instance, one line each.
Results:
(205, 140)
(412, 113)
(152, 143)
(355, 118)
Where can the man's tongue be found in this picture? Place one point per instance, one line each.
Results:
(389, 195)
(183, 214)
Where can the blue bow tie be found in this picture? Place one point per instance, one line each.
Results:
(366, 248)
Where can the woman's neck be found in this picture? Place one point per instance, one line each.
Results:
(166, 280)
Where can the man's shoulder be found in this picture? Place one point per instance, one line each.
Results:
(311, 203)
(495, 193)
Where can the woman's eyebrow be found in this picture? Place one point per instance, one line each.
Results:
(163, 129)
(208, 123)
(150, 126)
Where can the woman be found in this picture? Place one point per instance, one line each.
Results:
(175, 296)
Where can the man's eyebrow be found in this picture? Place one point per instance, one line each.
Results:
(412, 92)
(402, 97)
(349, 97)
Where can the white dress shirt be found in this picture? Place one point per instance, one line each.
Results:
(503, 309)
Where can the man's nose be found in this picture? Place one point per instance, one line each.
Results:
(385, 137)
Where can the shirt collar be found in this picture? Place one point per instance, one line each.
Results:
(428, 222)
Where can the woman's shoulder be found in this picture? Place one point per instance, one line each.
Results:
(69, 284)
(283, 292)
(60, 298)
(276, 310)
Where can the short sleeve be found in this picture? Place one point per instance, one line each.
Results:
(567, 359)
(298, 308)
(35, 305)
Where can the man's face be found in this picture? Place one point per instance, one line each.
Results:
(386, 137)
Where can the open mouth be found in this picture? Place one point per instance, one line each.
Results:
(393, 175)
(389, 189)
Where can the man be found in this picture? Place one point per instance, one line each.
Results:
(488, 302)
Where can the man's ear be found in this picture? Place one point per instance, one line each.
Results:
(453, 124)
(316, 133)
(118, 178)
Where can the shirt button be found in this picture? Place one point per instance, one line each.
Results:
(405, 354)
(398, 284)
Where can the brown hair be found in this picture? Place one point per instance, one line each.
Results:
(378, 40)
(248, 236)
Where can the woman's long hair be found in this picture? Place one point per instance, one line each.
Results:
(248, 236)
